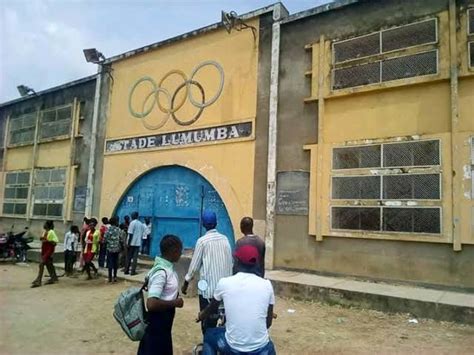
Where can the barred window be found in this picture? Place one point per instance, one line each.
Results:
(387, 187)
(22, 129)
(378, 57)
(56, 122)
(15, 198)
(49, 192)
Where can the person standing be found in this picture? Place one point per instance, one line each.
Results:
(113, 244)
(70, 245)
(246, 227)
(213, 258)
(82, 238)
(49, 239)
(163, 299)
(135, 234)
(91, 248)
(248, 301)
(146, 239)
(123, 254)
(102, 249)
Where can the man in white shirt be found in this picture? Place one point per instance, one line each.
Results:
(248, 302)
(146, 238)
(136, 229)
(213, 258)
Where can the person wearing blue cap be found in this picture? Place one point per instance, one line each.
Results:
(213, 258)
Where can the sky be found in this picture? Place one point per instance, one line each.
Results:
(41, 41)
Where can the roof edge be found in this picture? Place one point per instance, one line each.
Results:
(278, 8)
(318, 10)
(47, 91)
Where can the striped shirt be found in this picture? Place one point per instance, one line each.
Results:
(213, 258)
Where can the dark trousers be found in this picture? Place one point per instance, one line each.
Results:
(69, 260)
(146, 246)
(132, 259)
(102, 254)
(112, 264)
(211, 321)
(157, 339)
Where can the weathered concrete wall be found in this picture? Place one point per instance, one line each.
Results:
(55, 153)
(297, 125)
(261, 122)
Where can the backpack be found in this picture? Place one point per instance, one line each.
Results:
(130, 311)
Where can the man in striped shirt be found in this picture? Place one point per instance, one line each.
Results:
(213, 258)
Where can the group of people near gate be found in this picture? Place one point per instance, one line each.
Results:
(112, 244)
(235, 280)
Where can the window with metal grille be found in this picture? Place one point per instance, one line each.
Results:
(15, 198)
(56, 122)
(49, 192)
(379, 56)
(22, 129)
(411, 35)
(471, 54)
(401, 174)
(410, 66)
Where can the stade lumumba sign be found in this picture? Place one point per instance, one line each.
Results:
(182, 138)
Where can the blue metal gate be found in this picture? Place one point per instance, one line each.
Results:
(174, 197)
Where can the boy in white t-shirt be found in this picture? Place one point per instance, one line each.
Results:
(248, 302)
(163, 299)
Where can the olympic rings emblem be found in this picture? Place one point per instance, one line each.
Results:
(172, 104)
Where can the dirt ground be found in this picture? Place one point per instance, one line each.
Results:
(75, 317)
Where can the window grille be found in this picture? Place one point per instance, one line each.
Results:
(383, 179)
(379, 57)
(355, 48)
(356, 187)
(56, 122)
(412, 187)
(356, 218)
(411, 35)
(49, 192)
(15, 198)
(410, 66)
(422, 153)
(357, 157)
(412, 220)
(22, 129)
(358, 75)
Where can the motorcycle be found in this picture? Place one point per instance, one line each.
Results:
(15, 245)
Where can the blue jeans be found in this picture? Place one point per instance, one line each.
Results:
(214, 341)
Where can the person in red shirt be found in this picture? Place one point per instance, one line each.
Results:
(91, 248)
(84, 230)
(49, 239)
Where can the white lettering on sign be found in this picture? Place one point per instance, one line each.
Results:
(211, 134)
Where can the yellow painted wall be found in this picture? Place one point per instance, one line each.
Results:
(466, 104)
(236, 52)
(53, 154)
(229, 167)
(403, 109)
(19, 158)
(410, 110)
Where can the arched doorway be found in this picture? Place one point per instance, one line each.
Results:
(174, 197)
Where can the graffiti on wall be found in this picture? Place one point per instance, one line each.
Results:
(160, 102)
